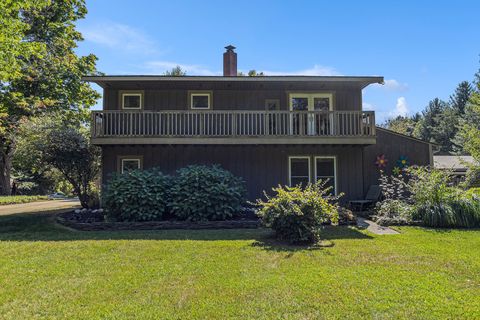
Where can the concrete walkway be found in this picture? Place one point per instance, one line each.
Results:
(373, 227)
(39, 206)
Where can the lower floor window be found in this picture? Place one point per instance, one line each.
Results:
(324, 168)
(299, 171)
(129, 164)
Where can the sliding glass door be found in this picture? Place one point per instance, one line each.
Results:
(305, 123)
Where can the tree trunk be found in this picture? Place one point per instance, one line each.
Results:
(6, 154)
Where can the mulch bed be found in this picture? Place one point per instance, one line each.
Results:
(68, 219)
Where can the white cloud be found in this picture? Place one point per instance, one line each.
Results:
(401, 109)
(392, 85)
(119, 36)
(316, 70)
(159, 67)
(368, 106)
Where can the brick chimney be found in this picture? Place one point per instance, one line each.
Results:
(230, 62)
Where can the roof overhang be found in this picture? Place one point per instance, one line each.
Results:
(363, 81)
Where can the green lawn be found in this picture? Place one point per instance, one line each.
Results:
(4, 200)
(49, 272)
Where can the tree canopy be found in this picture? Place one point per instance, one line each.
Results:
(46, 75)
(442, 122)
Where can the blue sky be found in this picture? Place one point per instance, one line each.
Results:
(423, 49)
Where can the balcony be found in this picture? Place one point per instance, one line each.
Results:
(233, 127)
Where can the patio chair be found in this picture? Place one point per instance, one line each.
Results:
(373, 196)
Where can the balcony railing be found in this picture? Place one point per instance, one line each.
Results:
(232, 124)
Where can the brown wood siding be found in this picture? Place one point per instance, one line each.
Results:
(231, 96)
(261, 166)
(393, 146)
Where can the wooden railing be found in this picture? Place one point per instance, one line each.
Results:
(194, 123)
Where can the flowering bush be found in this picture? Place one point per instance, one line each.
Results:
(296, 214)
(427, 196)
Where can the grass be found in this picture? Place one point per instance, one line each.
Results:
(47, 272)
(4, 200)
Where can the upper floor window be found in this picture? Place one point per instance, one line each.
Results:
(132, 100)
(201, 100)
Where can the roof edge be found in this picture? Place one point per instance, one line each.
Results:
(365, 80)
(405, 136)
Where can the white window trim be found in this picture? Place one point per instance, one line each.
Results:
(202, 94)
(138, 160)
(334, 169)
(135, 95)
(290, 168)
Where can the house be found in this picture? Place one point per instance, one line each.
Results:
(269, 130)
(457, 165)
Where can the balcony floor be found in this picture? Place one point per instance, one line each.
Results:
(362, 140)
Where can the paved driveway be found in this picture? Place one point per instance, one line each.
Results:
(39, 206)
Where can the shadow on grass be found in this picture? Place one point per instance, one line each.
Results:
(42, 227)
(329, 235)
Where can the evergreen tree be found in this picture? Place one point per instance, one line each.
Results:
(430, 117)
(459, 99)
(445, 129)
(470, 131)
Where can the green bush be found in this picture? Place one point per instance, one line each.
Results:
(201, 193)
(472, 178)
(138, 195)
(296, 215)
(431, 186)
(393, 212)
(473, 193)
(430, 199)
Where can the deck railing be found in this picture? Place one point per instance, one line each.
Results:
(194, 123)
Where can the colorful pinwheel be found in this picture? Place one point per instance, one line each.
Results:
(402, 162)
(396, 171)
(381, 161)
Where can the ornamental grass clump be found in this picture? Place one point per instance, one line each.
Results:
(297, 214)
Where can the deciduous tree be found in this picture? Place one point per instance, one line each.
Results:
(43, 83)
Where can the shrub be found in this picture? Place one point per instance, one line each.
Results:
(296, 215)
(393, 212)
(202, 193)
(430, 198)
(473, 193)
(394, 209)
(138, 195)
(472, 178)
(431, 186)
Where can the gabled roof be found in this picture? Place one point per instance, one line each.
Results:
(362, 80)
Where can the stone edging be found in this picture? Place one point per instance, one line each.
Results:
(158, 225)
